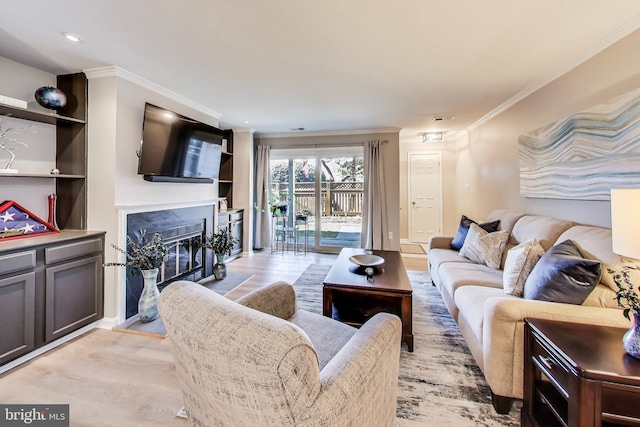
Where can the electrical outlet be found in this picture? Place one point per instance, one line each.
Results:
(391, 235)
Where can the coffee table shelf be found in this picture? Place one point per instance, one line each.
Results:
(351, 297)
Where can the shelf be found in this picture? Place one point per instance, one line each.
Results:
(225, 181)
(37, 116)
(226, 153)
(40, 175)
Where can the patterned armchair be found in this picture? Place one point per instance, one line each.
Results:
(259, 361)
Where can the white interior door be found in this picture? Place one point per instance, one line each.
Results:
(425, 196)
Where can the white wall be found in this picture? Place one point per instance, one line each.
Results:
(116, 112)
(487, 158)
(243, 179)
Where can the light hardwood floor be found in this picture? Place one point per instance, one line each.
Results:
(119, 379)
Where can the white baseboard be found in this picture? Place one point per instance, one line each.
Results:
(108, 322)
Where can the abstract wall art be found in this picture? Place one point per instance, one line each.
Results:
(585, 155)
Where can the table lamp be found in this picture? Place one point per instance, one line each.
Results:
(625, 239)
(625, 222)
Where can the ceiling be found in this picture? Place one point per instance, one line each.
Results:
(330, 65)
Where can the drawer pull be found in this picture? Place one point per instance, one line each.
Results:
(547, 362)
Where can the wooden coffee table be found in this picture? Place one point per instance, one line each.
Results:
(349, 296)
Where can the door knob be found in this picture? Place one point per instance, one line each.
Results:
(413, 203)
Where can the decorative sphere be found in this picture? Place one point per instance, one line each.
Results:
(51, 97)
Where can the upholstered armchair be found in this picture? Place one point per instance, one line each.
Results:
(259, 361)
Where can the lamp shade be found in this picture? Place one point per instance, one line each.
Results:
(625, 222)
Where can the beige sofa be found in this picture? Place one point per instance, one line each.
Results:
(492, 321)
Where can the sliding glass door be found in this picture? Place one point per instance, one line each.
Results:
(322, 192)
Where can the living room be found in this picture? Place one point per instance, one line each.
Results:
(480, 166)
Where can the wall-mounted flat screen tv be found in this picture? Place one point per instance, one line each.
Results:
(175, 148)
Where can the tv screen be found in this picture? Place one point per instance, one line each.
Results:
(175, 146)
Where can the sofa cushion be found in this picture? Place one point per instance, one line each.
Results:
(483, 247)
(595, 243)
(542, 228)
(520, 261)
(456, 275)
(463, 229)
(507, 219)
(563, 275)
(470, 300)
(437, 257)
(601, 296)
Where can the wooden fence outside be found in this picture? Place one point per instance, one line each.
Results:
(337, 198)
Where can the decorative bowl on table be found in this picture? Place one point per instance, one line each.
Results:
(366, 260)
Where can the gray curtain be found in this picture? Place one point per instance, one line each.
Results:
(263, 184)
(374, 209)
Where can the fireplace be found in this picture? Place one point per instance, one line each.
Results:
(183, 230)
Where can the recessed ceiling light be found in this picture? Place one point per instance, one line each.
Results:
(246, 122)
(72, 37)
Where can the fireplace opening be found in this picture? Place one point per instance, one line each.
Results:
(185, 255)
(183, 231)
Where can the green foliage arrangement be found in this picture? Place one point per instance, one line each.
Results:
(221, 242)
(141, 255)
(626, 295)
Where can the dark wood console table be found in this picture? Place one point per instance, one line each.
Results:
(578, 375)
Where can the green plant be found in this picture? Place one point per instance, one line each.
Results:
(626, 295)
(141, 255)
(221, 242)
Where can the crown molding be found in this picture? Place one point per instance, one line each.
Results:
(295, 134)
(114, 71)
(242, 130)
(619, 33)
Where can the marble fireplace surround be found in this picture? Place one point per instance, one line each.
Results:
(182, 227)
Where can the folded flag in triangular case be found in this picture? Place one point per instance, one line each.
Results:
(17, 222)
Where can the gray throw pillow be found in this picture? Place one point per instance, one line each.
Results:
(484, 248)
(563, 275)
(463, 230)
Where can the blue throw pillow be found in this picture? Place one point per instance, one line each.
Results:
(463, 229)
(563, 275)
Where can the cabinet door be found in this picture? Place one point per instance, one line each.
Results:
(74, 296)
(17, 315)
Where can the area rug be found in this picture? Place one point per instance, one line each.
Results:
(439, 382)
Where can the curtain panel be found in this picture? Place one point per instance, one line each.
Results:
(374, 209)
(263, 184)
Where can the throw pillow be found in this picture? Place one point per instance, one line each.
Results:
(484, 248)
(520, 261)
(463, 229)
(563, 275)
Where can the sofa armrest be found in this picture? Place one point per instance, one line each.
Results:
(440, 242)
(359, 385)
(503, 335)
(277, 299)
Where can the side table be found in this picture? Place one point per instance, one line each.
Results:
(578, 375)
